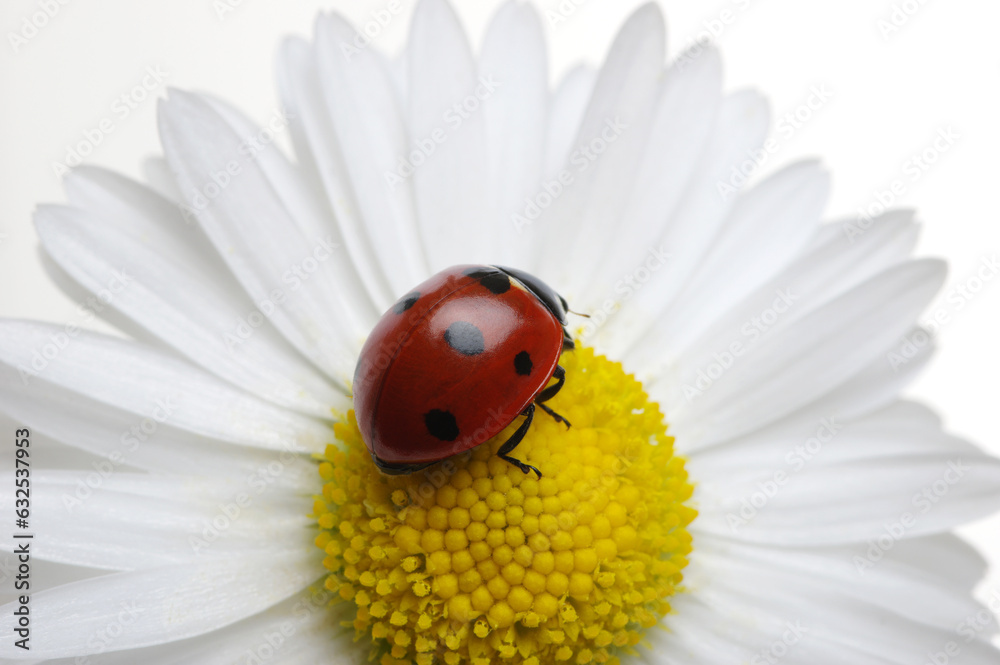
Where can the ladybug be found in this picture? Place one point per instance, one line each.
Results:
(457, 360)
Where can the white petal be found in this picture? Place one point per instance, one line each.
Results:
(364, 112)
(305, 205)
(168, 292)
(920, 595)
(901, 429)
(50, 453)
(873, 388)
(131, 209)
(852, 494)
(317, 145)
(946, 557)
(694, 638)
(400, 70)
(122, 439)
(44, 575)
(741, 125)
(237, 205)
(156, 606)
(150, 384)
(294, 64)
(94, 520)
(566, 109)
(156, 173)
(809, 612)
(717, 628)
(302, 629)
(450, 185)
(798, 363)
(514, 54)
(768, 228)
(685, 117)
(611, 140)
(303, 200)
(833, 265)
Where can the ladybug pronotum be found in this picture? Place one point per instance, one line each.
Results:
(457, 360)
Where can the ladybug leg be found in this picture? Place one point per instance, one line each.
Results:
(556, 416)
(568, 344)
(515, 439)
(560, 376)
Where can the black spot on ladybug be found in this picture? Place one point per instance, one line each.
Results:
(496, 281)
(408, 301)
(465, 338)
(522, 363)
(441, 424)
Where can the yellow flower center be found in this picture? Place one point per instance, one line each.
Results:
(472, 561)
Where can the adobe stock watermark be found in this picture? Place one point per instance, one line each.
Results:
(371, 29)
(912, 170)
(440, 474)
(453, 118)
(248, 150)
(33, 24)
(969, 628)
(625, 288)
(788, 124)
(562, 12)
(129, 441)
(258, 482)
(923, 502)
(41, 356)
(795, 459)
(224, 8)
(273, 641)
(580, 159)
(102, 640)
(780, 647)
(293, 278)
(712, 29)
(121, 108)
(957, 299)
(898, 17)
(435, 478)
(750, 330)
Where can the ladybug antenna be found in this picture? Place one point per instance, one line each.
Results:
(586, 316)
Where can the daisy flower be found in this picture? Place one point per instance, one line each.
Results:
(741, 482)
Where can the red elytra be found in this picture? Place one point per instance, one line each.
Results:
(455, 361)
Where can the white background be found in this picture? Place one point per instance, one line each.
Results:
(892, 92)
